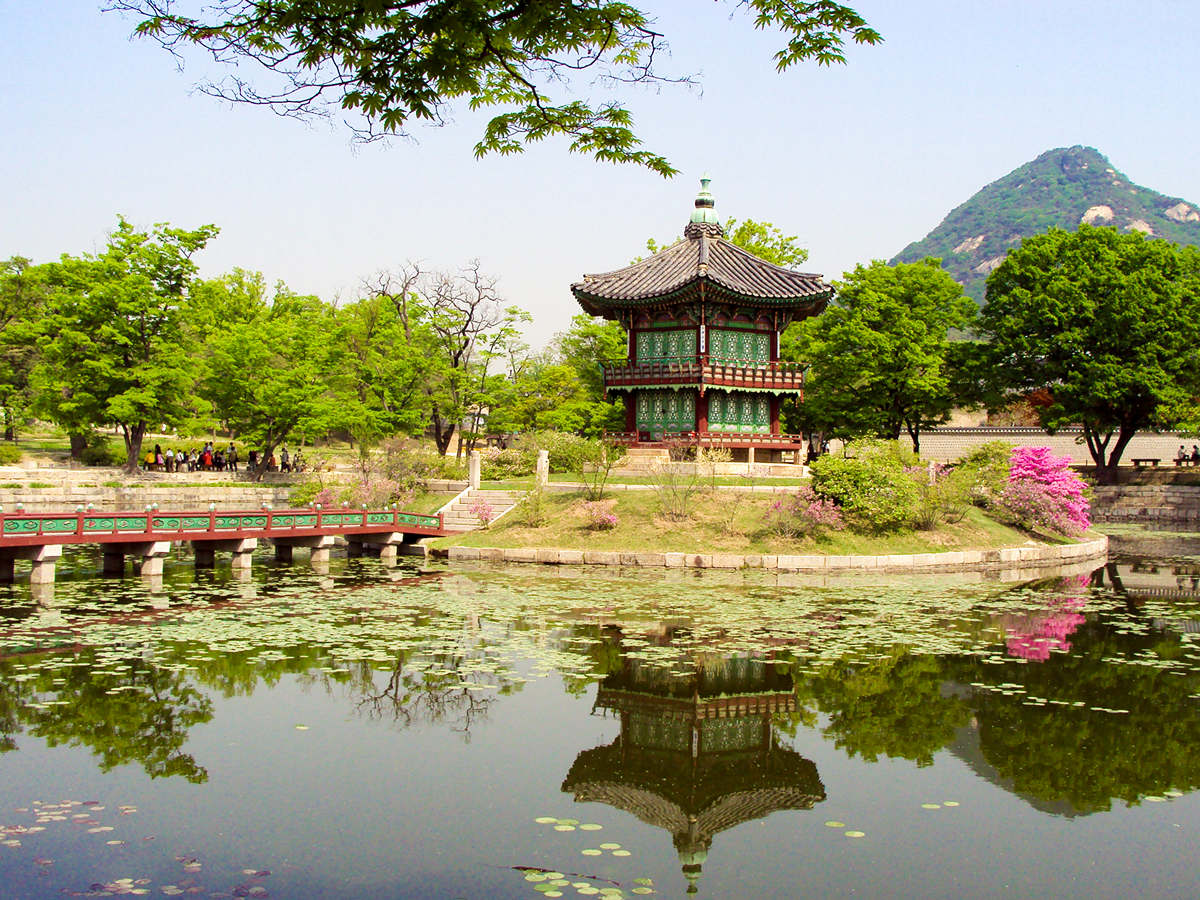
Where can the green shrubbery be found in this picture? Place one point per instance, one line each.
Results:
(10, 454)
(870, 485)
(102, 455)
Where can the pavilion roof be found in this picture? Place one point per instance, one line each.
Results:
(703, 256)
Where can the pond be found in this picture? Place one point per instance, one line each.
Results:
(528, 732)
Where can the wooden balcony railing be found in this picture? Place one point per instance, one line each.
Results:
(773, 376)
(708, 439)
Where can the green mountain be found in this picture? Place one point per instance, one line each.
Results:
(1061, 188)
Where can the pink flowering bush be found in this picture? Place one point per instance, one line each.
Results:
(483, 511)
(804, 514)
(1043, 492)
(600, 516)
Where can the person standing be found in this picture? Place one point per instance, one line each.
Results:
(231, 457)
(284, 466)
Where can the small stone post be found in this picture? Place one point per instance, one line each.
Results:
(932, 473)
(543, 468)
(474, 463)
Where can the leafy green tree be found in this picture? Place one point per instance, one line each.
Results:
(398, 61)
(114, 347)
(280, 374)
(881, 352)
(1108, 322)
(22, 299)
(585, 347)
(763, 239)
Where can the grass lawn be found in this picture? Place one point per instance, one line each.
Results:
(728, 522)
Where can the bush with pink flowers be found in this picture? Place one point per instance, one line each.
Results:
(600, 515)
(804, 514)
(1044, 493)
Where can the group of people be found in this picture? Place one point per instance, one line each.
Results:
(206, 459)
(216, 459)
(1182, 456)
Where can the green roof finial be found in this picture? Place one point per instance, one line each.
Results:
(704, 212)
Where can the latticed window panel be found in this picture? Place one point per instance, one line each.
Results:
(739, 411)
(730, 345)
(665, 346)
(659, 411)
(731, 734)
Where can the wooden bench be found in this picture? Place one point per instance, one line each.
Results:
(1186, 461)
(1140, 461)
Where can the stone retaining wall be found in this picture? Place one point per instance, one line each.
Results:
(1146, 503)
(69, 496)
(1040, 556)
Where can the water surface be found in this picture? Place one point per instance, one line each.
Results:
(395, 732)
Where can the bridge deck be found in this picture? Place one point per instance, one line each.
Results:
(22, 529)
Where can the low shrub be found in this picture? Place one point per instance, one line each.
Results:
(532, 511)
(600, 515)
(804, 514)
(1044, 493)
(568, 452)
(411, 464)
(497, 464)
(483, 511)
(10, 454)
(982, 474)
(870, 485)
(102, 455)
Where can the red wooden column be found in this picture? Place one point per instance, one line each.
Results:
(631, 412)
(775, 414)
(702, 413)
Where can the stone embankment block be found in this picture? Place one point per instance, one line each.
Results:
(1040, 557)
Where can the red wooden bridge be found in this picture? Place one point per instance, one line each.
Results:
(147, 536)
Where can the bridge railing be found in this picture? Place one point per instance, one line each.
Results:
(80, 527)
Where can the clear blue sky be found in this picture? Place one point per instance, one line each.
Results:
(856, 160)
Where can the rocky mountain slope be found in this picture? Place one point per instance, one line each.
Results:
(1061, 188)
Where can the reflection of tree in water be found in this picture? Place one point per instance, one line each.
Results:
(429, 690)
(133, 712)
(698, 752)
(1035, 721)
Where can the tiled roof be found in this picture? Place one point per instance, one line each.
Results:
(703, 256)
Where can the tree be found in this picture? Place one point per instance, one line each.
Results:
(1108, 322)
(585, 347)
(397, 61)
(762, 239)
(880, 353)
(451, 321)
(279, 373)
(113, 344)
(22, 299)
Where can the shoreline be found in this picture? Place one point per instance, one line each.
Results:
(1041, 556)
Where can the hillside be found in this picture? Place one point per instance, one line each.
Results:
(1061, 188)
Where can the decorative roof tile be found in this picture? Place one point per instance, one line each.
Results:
(700, 257)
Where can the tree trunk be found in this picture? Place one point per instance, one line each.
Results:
(133, 445)
(78, 445)
(1107, 468)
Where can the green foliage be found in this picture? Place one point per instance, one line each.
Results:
(1053, 191)
(870, 485)
(568, 452)
(511, 462)
(981, 475)
(10, 454)
(411, 465)
(101, 454)
(532, 511)
(880, 353)
(394, 64)
(1109, 322)
(114, 347)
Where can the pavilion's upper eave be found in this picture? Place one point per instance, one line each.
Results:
(702, 256)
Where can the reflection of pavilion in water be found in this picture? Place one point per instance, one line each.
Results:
(1155, 580)
(698, 754)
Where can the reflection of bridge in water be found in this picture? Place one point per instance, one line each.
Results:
(1151, 580)
(697, 754)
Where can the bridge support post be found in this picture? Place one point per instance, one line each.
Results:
(241, 548)
(148, 557)
(114, 559)
(319, 546)
(43, 558)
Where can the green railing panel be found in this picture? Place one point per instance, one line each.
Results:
(305, 520)
(171, 522)
(254, 521)
(106, 524)
(21, 526)
(131, 523)
(284, 521)
(191, 523)
(227, 521)
(59, 526)
(379, 518)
